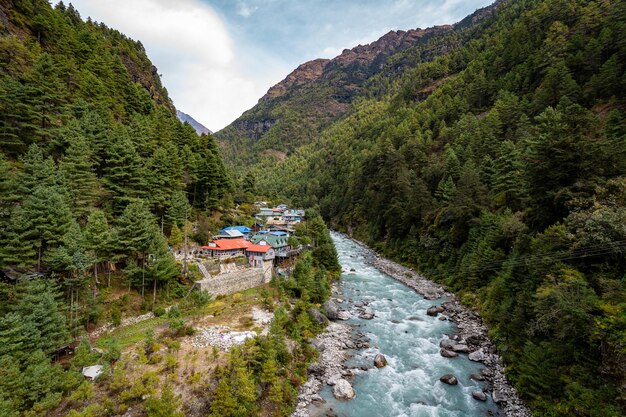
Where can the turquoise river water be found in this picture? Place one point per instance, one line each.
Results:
(409, 385)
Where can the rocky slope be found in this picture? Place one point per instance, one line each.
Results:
(198, 127)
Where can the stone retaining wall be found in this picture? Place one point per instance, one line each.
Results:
(225, 284)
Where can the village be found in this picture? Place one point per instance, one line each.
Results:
(242, 257)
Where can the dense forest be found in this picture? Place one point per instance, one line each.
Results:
(95, 172)
(496, 166)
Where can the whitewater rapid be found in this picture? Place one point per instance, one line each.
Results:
(409, 385)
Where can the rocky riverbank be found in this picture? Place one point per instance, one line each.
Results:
(332, 345)
(471, 337)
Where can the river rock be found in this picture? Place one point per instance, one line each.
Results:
(343, 390)
(331, 310)
(366, 314)
(447, 344)
(477, 377)
(396, 321)
(317, 400)
(499, 396)
(460, 348)
(449, 379)
(474, 340)
(343, 315)
(380, 361)
(478, 356)
(414, 318)
(479, 395)
(448, 353)
(434, 310)
(317, 316)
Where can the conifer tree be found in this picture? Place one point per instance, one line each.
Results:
(38, 304)
(77, 167)
(124, 174)
(47, 212)
(162, 266)
(98, 240)
(179, 209)
(164, 173)
(18, 241)
(136, 228)
(38, 171)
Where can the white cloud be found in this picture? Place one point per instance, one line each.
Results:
(193, 51)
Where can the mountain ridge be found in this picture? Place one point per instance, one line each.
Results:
(197, 126)
(320, 91)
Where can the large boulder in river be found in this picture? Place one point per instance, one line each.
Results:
(460, 348)
(449, 379)
(477, 377)
(479, 395)
(448, 353)
(343, 315)
(380, 361)
(343, 390)
(331, 310)
(434, 310)
(447, 343)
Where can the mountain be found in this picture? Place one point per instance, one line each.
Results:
(489, 155)
(198, 127)
(319, 92)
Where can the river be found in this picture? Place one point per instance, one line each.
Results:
(409, 385)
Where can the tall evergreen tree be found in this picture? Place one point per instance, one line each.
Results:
(77, 167)
(124, 174)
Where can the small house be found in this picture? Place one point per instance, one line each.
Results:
(230, 234)
(260, 255)
(278, 243)
(225, 247)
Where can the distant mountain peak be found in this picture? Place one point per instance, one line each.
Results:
(199, 127)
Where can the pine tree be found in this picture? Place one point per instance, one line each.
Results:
(38, 171)
(507, 179)
(164, 173)
(176, 236)
(162, 266)
(77, 167)
(446, 190)
(46, 89)
(179, 209)
(167, 405)
(124, 175)
(38, 305)
(98, 239)
(18, 241)
(49, 216)
(136, 227)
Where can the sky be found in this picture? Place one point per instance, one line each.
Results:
(218, 57)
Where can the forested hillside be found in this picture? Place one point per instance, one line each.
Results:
(498, 167)
(94, 168)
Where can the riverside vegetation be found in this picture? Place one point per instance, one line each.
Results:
(489, 155)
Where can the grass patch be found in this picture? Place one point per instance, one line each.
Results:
(129, 335)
